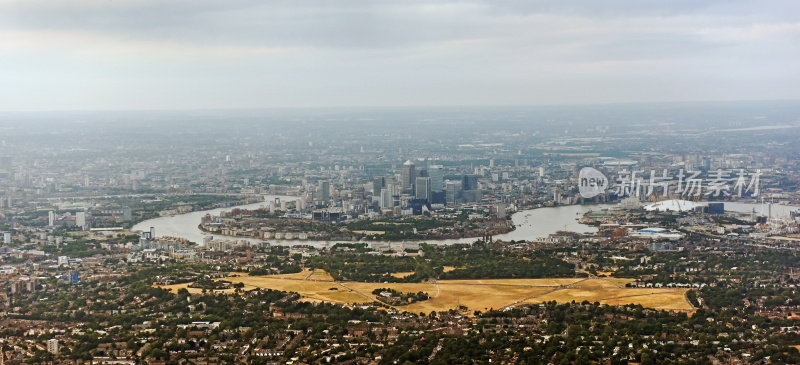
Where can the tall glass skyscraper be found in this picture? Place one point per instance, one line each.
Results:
(423, 188)
(436, 173)
(408, 177)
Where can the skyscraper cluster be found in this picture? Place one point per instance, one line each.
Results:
(423, 186)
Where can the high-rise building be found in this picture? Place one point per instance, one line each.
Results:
(451, 191)
(378, 183)
(469, 182)
(470, 191)
(408, 175)
(436, 173)
(6, 237)
(80, 219)
(387, 196)
(324, 191)
(52, 346)
(422, 188)
(51, 218)
(386, 199)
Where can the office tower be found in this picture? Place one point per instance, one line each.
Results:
(80, 219)
(436, 173)
(152, 232)
(324, 191)
(501, 210)
(422, 188)
(451, 192)
(51, 218)
(387, 196)
(470, 191)
(469, 182)
(6, 237)
(408, 176)
(387, 201)
(378, 183)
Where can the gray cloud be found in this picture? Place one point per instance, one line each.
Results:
(125, 54)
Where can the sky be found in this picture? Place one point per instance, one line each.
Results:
(211, 54)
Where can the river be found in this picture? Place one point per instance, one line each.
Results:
(530, 224)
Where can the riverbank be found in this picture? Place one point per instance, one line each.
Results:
(528, 225)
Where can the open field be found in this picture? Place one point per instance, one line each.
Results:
(176, 287)
(402, 274)
(608, 292)
(482, 294)
(550, 282)
(320, 275)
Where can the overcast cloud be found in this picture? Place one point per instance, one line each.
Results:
(148, 54)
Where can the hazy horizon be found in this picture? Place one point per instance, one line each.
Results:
(412, 107)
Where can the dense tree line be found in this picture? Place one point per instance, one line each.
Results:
(469, 263)
(399, 298)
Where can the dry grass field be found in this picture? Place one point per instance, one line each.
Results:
(480, 294)
(320, 275)
(613, 292)
(175, 287)
(409, 273)
(402, 274)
